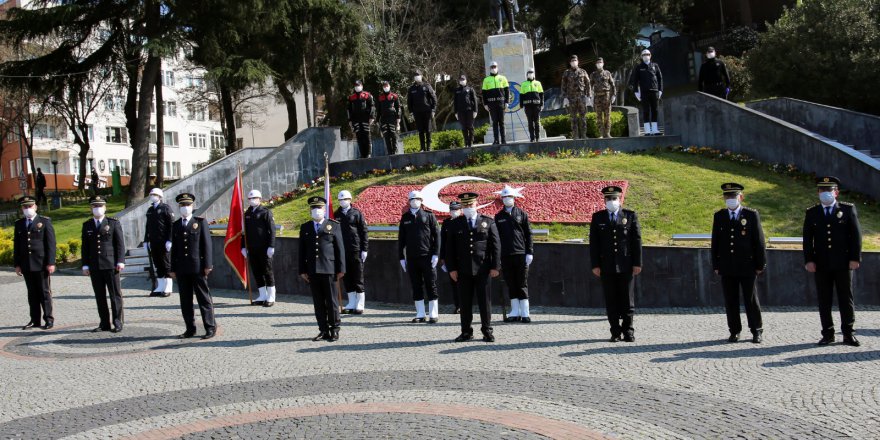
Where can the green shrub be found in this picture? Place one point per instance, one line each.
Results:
(560, 125)
(6, 248)
(480, 133)
(62, 253)
(448, 139)
(6, 257)
(411, 144)
(74, 244)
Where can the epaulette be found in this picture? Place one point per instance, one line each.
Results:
(333, 220)
(47, 218)
(846, 203)
(749, 209)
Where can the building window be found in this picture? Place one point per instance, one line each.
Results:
(171, 139)
(203, 141)
(192, 140)
(12, 136)
(217, 140)
(91, 132)
(239, 143)
(213, 112)
(172, 170)
(125, 168)
(45, 131)
(168, 78)
(12, 169)
(113, 163)
(195, 112)
(170, 108)
(117, 135)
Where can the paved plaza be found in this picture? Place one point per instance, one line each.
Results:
(263, 377)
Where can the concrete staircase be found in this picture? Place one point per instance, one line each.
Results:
(137, 263)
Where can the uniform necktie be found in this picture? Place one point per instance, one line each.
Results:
(473, 222)
(733, 216)
(827, 211)
(613, 218)
(28, 224)
(185, 222)
(317, 226)
(97, 224)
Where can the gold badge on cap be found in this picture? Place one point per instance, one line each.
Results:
(839, 215)
(826, 179)
(743, 221)
(195, 226)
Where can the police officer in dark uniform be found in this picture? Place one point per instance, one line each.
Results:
(714, 78)
(646, 82)
(389, 117)
(516, 254)
(445, 228)
(532, 99)
(33, 254)
(422, 103)
(158, 231)
(356, 241)
(832, 251)
(103, 255)
(258, 247)
(418, 245)
(191, 263)
(321, 267)
(465, 107)
(473, 255)
(616, 256)
(739, 260)
(361, 114)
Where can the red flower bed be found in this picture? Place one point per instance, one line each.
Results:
(545, 202)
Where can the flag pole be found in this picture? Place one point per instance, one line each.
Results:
(328, 194)
(244, 236)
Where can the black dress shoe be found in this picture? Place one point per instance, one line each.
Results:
(757, 337)
(153, 294)
(268, 304)
(357, 312)
(525, 320)
(511, 319)
(321, 336)
(488, 337)
(734, 337)
(826, 340)
(27, 326)
(116, 330)
(457, 311)
(334, 335)
(615, 338)
(165, 294)
(418, 320)
(346, 311)
(100, 329)
(629, 338)
(257, 303)
(210, 334)
(464, 337)
(48, 326)
(432, 321)
(187, 334)
(851, 340)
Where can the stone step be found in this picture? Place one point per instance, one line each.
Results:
(137, 252)
(144, 261)
(135, 269)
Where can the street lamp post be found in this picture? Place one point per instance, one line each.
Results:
(91, 158)
(56, 198)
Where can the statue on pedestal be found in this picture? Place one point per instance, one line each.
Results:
(500, 9)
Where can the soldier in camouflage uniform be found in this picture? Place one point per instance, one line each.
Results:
(576, 88)
(604, 94)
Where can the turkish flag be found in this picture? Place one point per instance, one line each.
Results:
(234, 229)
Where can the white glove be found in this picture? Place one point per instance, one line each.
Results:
(589, 101)
(638, 96)
(529, 258)
(244, 252)
(614, 99)
(443, 268)
(168, 246)
(120, 266)
(403, 265)
(456, 116)
(475, 115)
(434, 260)
(660, 94)
(147, 245)
(565, 102)
(363, 256)
(270, 252)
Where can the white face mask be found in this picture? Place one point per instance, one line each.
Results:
(344, 204)
(573, 64)
(493, 70)
(462, 83)
(508, 201)
(710, 55)
(415, 203)
(612, 205)
(731, 203)
(255, 202)
(317, 214)
(358, 89)
(599, 66)
(99, 211)
(386, 89)
(29, 212)
(454, 213)
(646, 59)
(827, 198)
(469, 212)
(417, 78)
(530, 76)
(185, 211)
(154, 199)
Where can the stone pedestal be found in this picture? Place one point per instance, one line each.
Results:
(514, 55)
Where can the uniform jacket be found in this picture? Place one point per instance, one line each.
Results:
(103, 247)
(421, 98)
(531, 93)
(832, 241)
(360, 107)
(158, 229)
(713, 74)
(354, 230)
(34, 248)
(259, 229)
(515, 231)
(465, 99)
(445, 227)
(615, 247)
(389, 108)
(322, 252)
(418, 235)
(191, 246)
(603, 83)
(496, 90)
(575, 83)
(646, 77)
(473, 252)
(738, 247)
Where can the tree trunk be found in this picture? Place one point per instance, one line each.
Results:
(290, 103)
(229, 116)
(307, 94)
(140, 158)
(84, 147)
(160, 136)
(132, 70)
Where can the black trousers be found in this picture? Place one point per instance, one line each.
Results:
(533, 119)
(716, 90)
(516, 275)
(466, 119)
(196, 284)
(732, 285)
(261, 266)
(456, 300)
(423, 278)
(423, 125)
(325, 301)
(389, 134)
(619, 301)
(826, 282)
(362, 134)
(161, 259)
(39, 290)
(468, 288)
(104, 282)
(650, 103)
(354, 273)
(41, 195)
(496, 114)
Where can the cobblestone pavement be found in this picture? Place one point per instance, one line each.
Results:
(557, 377)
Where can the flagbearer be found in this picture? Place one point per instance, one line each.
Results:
(321, 267)
(354, 236)
(103, 256)
(33, 254)
(191, 263)
(418, 244)
(158, 231)
(516, 253)
(258, 246)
